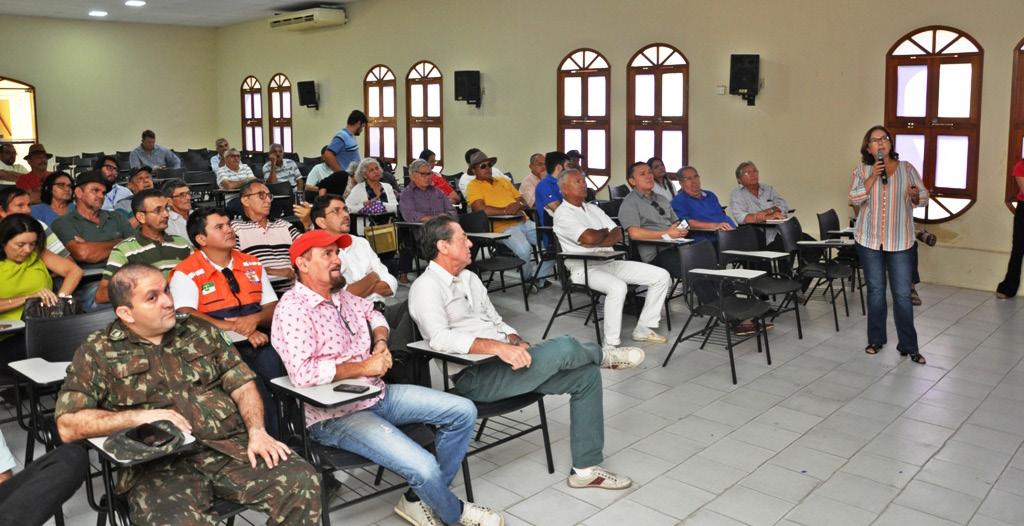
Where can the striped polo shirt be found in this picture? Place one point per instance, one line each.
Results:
(141, 249)
(886, 218)
(269, 244)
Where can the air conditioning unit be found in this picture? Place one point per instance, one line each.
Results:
(315, 18)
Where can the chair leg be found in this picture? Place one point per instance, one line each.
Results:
(835, 311)
(846, 305)
(709, 328)
(554, 313)
(732, 360)
(480, 430)
(597, 323)
(544, 432)
(325, 500)
(379, 476)
(796, 310)
(767, 349)
(668, 316)
(525, 286)
(466, 479)
(678, 339)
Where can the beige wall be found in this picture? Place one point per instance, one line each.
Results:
(822, 62)
(99, 84)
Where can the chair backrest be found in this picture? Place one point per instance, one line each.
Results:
(201, 177)
(827, 220)
(610, 207)
(168, 173)
(790, 232)
(743, 238)
(311, 160)
(696, 256)
(618, 192)
(93, 155)
(284, 188)
(56, 339)
(475, 222)
(293, 156)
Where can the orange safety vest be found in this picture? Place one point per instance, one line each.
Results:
(215, 296)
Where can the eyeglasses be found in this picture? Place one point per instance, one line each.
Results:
(259, 195)
(232, 282)
(111, 166)
(880, 140)
(482, 166)
(62, 185)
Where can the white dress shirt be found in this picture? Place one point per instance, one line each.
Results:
(358, 260)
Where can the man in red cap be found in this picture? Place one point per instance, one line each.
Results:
(324, 334)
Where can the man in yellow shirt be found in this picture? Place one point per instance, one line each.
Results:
(497, 197)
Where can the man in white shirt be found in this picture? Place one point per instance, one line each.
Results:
(217, 161)
(9, 171)
(233, 174)
(584, 228)
(451, 307)
(179, 204)
(365, 275)
(277, 169)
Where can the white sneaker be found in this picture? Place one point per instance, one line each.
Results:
(599, 478)
(615, 357)
(474, 515)
(417, 513)
(644, 334)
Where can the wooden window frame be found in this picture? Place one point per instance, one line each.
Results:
(376, 77)
(251, 86)
(656, 123)
(931, 126)
(280, 83)
(585, 121)
(1016, 125)
(420, 68)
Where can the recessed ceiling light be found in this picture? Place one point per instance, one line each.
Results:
(97, 13)
(135, 3)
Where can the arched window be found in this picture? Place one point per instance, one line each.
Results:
(280, 92)
(252, 115)
(379, 105)
(18, 114)
(583, 101)
(1016, 147)
(933, 108)
(657, 95)
(424, 123)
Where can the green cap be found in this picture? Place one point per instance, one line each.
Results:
(145, 442)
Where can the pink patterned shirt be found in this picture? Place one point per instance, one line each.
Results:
(313, 334)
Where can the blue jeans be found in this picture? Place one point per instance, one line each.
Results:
(900, 267)
(373, 433)
(523, 237)
(86, 296)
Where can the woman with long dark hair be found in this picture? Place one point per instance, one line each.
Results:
(886, 190)
(662, 180)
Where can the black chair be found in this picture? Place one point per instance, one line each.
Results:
(821, 268)
(94, 155)
(179, 153)
(65, 163)
(717, 299)
(202, 152)
(492, 259)
(293, 156)
(544, 250)
(773, 284)
(828, 221)
(616, 193)
(312, 160)
(569, 287)
(169, 173)
(611, 208)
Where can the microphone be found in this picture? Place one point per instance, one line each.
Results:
(881, 158)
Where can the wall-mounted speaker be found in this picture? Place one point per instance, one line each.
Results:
(744, 76)
(467, 87)
(307, 94)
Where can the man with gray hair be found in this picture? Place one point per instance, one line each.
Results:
(753, 202)
(277, 169)
(584, 228)
(218, 160)
(528, 188)
(179, 205)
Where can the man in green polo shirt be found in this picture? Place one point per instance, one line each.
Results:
(151, 245)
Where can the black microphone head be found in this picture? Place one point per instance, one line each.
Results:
(880, 155)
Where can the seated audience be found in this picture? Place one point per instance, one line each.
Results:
(26, 269)
(365, 275)
(141, 179)
(324, 334)
(316, 174)
(278, 169)
(497, 196)
(184, 372)
(584, 228)
(258, 236)
(234, 173)
(217, 161)
(32, 180)
(700, 208)
(547, 195)
(455, 315)
(420, 201)
(14, 200)
(179, 206)
(753, 202)
(528, 187)
(56, 195)
(9, 171)
(647, 214)
(107, 165)
(371, 195)
(151, 154)
(231, 290)
(90, 232)
(343, 150)
(151, 245)
(468, 176)
(35, 495)
(662, 182)
(388, 174)
(431, 158)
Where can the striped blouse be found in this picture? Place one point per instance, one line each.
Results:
(886, 217)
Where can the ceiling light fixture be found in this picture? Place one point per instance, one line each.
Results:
(135, 3)
(97, 13)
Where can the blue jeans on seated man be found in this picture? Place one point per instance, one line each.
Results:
(86, 296)
(373, 433)
(899, 266)
(266, 363)
(522, 238)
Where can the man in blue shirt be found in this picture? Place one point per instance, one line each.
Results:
(547, 194)
(149, 153)
(700, 208)
(343, 149)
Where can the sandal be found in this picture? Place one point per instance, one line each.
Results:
(917, 358)
(872, 348)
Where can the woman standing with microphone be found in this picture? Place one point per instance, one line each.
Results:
(886, 190)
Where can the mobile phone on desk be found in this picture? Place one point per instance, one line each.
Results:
(351, 388)
(683, 225)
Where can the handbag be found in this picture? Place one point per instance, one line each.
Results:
(35, 309)
(375, 207)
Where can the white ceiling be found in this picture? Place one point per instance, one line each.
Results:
(211, 13)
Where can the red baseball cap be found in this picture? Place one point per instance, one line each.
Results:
(317, 238)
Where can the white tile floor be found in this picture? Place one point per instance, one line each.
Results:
(825, 435)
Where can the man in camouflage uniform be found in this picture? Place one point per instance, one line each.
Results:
(148, 366)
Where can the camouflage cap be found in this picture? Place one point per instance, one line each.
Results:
(140, 444)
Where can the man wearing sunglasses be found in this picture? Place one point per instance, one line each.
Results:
(148, 366)
(230, 289)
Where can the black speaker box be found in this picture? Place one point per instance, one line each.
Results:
(467, 86)
(307, 93)
(744, 74)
